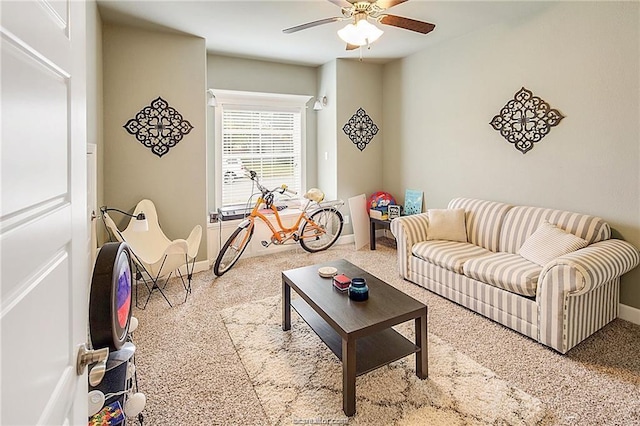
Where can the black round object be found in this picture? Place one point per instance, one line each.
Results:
(110, 298)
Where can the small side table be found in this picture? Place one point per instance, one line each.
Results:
(373, 224)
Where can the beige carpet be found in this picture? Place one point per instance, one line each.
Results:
(191, 372)
(297, 378)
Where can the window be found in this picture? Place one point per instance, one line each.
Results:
(259, 132)
(268, 142)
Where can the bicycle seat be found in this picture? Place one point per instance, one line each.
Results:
(314, 194)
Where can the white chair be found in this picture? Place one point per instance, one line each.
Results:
(155, 256)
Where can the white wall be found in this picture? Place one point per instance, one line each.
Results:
(94, 87)
(582, 58)
(139, 66)
(327, 161)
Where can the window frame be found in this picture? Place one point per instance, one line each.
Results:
(258, 101)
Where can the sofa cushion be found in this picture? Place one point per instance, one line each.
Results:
(549, 242)
(483, 219)
(522, 221)
(446, 224)
(450, 255)
(508, 271)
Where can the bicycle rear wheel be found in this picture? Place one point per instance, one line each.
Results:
(321, 230)
(232, 249)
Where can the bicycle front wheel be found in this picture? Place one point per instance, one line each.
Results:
(232, 249)
(321, 230)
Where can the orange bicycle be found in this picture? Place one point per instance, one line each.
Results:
(317, 227)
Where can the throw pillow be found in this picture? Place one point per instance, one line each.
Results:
(549, 242)
(447, 224)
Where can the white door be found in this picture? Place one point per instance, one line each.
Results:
(43, 218)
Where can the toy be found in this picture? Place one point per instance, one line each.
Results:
(381, 200)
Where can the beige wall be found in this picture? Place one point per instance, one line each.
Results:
(250, 75)
(225, 72)
(582, 58)
(139, 66)
(358, 171)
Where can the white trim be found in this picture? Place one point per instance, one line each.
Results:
(238, 97)
(200, 266)
(629, 313)
(346, 239)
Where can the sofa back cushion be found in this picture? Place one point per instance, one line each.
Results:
(522, 221)
(483, 219)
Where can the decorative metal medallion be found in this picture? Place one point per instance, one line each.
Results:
(525, 120)
(360, 129)
(158, 126)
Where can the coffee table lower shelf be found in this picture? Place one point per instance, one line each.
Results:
(372, 351)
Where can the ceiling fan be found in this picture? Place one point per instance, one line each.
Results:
(360, 31)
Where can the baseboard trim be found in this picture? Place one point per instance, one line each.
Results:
(207, 264)
(200, 266)
(346, 239)
(629, 313)
(203, 265)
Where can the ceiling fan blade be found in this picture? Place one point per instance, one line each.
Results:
(311, 24)
(341, 3)
(386, 4)
(406, 23)
(352, 46)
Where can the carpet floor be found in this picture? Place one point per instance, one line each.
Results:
(297, 379)
(193, 372)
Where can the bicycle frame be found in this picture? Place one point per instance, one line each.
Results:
(284, 234)
(315, 229)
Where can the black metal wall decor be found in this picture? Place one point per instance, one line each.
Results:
(361, 129)
(525, 120)
(158, 126)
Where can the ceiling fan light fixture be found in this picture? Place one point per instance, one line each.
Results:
(360, 34)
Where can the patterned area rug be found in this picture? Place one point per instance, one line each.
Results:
(298, 379)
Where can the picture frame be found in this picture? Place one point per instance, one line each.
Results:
(412, 202)
(394, 211)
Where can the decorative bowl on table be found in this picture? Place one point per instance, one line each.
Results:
(358, 290)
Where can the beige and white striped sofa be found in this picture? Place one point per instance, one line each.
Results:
(558, 304)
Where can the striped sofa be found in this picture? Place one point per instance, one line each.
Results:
(558, 304)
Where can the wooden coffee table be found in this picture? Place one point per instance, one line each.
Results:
(359, 333)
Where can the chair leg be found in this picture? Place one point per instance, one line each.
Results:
(189, 276)
(160, 289)
(153, 283)
(187, 285)
(140, 277)
(154, 286)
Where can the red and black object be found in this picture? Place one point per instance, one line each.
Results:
(110, 297)
(341, 282)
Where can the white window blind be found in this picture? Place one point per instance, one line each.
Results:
(267, 140)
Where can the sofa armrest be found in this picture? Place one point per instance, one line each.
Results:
(408, 230)
(574, 292)
(591, 267)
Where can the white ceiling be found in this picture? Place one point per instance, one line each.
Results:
(253, 29)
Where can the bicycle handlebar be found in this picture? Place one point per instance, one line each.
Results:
(265, 191)
(285, 188)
